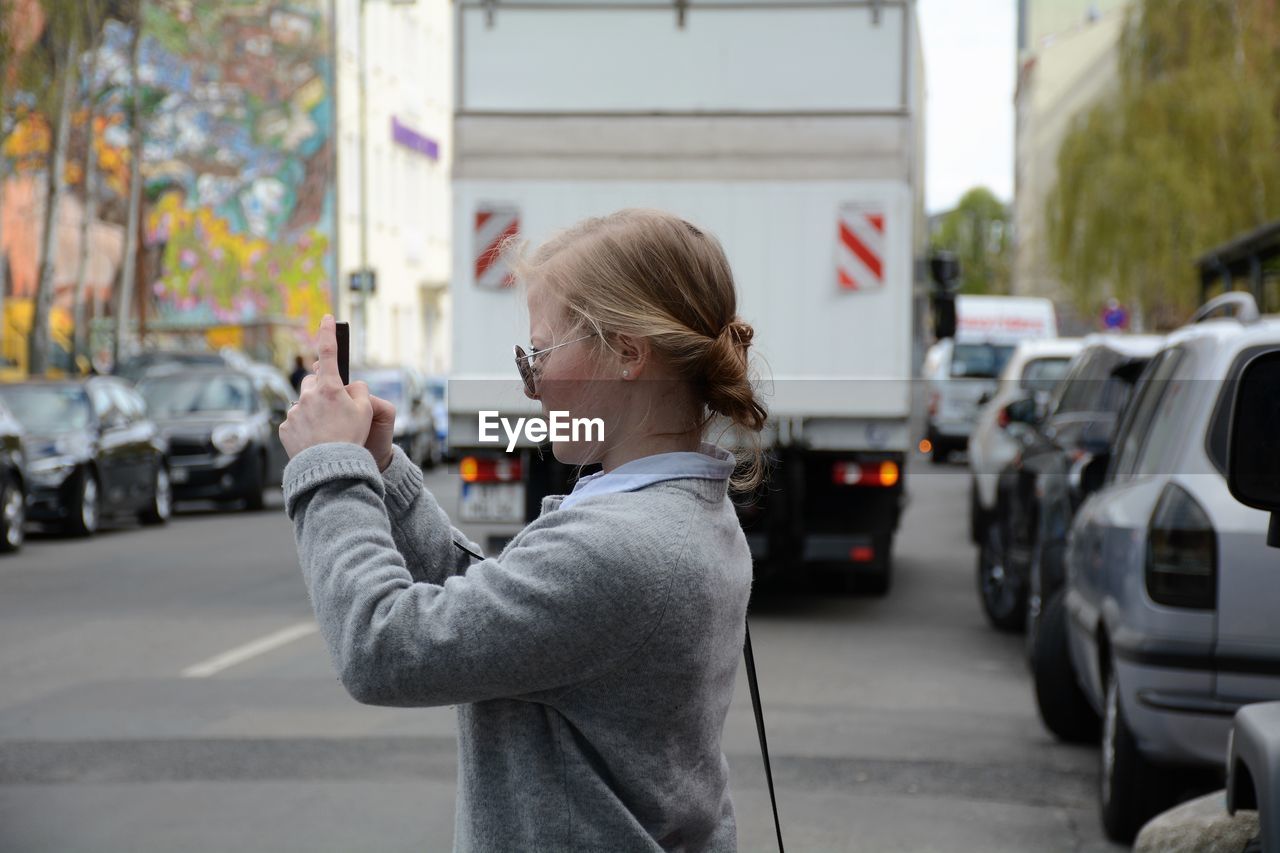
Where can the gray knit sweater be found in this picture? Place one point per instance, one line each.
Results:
(592, 661)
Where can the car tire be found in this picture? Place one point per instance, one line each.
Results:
(1064, 709)
(1003, 599)
(84, 513)
(13, 516)
(939, 454)
(977, 515)
(160, 507)
(1131, 790)
(255, 492)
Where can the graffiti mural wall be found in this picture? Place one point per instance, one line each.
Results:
(239, 220)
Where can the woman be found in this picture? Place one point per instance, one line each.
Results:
(593, 660)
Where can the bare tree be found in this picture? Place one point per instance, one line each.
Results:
(128, 269)
(38, 342)
(90, 210)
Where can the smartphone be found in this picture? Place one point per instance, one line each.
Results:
(344, 351)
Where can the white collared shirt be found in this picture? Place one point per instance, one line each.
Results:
(709, 462)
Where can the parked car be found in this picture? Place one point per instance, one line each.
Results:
(438, 393)
(91, 452)
(1023, 538)
(133, 369)
(960, 371)
(1251, 818)
(13, 483)
(415, 428)
(1035, 369)
(1170, 589)
(223, 431)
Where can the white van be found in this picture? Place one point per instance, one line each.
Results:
(961, 371)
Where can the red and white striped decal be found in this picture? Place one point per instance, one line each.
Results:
(494, 224)
(860, 247)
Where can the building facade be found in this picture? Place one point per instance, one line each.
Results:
(1067, 51)
(402, 117)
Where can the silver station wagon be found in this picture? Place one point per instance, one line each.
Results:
(1171, 590)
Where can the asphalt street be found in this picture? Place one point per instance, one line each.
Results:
(166, 690)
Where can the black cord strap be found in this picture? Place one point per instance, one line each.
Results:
(764, 744)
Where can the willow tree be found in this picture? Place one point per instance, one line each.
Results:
(1183, 154)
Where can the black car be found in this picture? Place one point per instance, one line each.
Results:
(13, 488)
(222, 426)
(1022, 544)
(91, 452)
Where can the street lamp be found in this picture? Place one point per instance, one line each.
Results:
(366, 276)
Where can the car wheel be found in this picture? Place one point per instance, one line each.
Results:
(1130, 790)
(1064, 709)
(255, 493)
(83, 514)
(1003, 598)
(161, 506)
(977, 516)
(939, 454)
(13, 517)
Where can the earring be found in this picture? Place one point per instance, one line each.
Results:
(626, 373)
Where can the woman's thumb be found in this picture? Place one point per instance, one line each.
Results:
(383, 411)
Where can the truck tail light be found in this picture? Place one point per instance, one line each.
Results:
(934, 399)
(479, 469)
(884, 473)
(1182, 553)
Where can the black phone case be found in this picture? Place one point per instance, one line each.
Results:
(344, 351)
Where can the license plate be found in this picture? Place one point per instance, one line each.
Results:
(179, 475)
(492, 502)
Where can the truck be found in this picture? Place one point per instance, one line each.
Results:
(961, 372)
(793, 132)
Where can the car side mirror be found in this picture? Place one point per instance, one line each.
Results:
(1023, 410)
(1253, 442)
(1088, 473)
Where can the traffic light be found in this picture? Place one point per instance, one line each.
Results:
(945, 267)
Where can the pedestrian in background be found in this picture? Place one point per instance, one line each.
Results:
(593, 661)
(299, 373)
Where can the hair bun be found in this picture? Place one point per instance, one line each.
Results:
(738, 331)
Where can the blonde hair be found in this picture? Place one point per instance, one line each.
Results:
(652, 275)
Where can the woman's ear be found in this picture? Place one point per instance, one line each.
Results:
(633, 355)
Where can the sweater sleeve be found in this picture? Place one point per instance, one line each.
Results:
(575, 598)
(420, 528)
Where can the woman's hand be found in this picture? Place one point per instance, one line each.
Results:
(326, 411)
(382, 431)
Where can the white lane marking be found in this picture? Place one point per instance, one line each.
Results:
(240, 654)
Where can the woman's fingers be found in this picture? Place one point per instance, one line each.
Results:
(327, 346)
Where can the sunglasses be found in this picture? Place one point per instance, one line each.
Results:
(526, 362)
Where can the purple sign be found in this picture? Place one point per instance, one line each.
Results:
(414, 141)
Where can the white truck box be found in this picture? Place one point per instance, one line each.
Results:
(766, 123)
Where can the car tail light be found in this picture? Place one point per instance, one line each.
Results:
(1182, 553)
(478, 469)
(882, 473)
(862, 554)
(934, 399)
(1002, 417)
